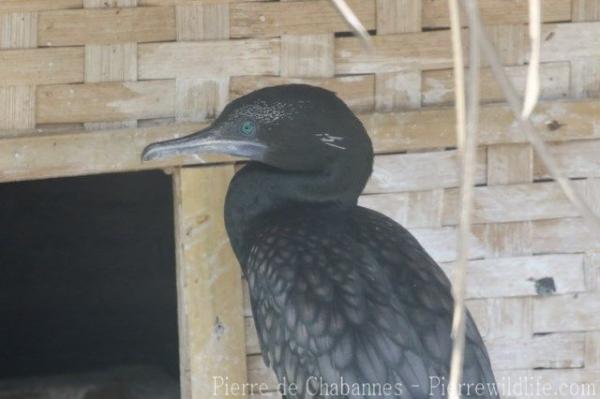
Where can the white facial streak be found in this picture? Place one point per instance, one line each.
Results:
(330, 140)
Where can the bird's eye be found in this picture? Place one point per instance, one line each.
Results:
(248, 128)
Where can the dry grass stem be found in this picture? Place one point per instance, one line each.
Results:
(467, 149)
(354, 23)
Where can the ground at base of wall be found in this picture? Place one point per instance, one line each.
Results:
(126, 382)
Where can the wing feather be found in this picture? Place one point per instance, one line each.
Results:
(355, 298)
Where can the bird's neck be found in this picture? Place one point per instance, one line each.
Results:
(258, 191)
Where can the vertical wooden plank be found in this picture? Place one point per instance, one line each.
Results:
(18, 30)
(585, 10)
(398, 90)
(198, 98)
(506, 239)
(592, 270)
(17, 107)
(512, 43)
(17, 103)
(592, 350)
(591, 193)
(202, 22)
(110, 62)
(307, 55)
(509, 164)
(398, 16)
(585, 77)
(209, 286)
(425, 208)
(585, 72)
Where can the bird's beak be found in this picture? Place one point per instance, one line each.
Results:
(205, 141)
(195, 143)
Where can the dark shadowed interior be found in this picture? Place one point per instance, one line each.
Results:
(87, 275)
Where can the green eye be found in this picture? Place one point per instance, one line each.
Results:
(248, 128)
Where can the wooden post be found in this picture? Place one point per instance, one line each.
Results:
(209, 286)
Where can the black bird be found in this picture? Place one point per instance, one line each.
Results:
(343, 297)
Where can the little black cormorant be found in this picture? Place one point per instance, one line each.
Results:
(343, 297)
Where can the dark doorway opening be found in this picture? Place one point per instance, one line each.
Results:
(87, 279)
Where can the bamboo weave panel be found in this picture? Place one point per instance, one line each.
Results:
(85, 85)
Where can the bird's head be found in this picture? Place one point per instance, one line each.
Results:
(291, 127)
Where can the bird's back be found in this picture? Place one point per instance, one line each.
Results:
(344, 297)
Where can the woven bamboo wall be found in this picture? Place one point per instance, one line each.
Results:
(90, 81)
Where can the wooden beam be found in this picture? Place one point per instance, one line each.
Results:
(495, 204)
(422, 50)
(434, 127)
(37, 5)
(420, 171)
(162, 3)
(549, 236)
(410, 209)
(431, 50)
(208, 59)
(559, 120)
(562, 235)
(567, 351)
(106, 26)
(41, 66)
(435, 13)
(557, 36)
(394, 173)
(263, 19)
(438, 85)
(578, 158)
(268, 19)
(121, 101)
(502, 318)
(574, 312)
(39, 154)
(356, 91)
(519, 276)
(101, 102)
(209, 286)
